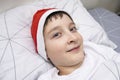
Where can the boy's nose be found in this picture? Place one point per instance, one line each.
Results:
(72, 38)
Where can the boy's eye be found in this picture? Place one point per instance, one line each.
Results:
(73, 29)
(56, 35)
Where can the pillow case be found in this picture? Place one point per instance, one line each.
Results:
(18, 59)
(110, 22)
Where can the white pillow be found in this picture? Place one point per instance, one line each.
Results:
(18, 59)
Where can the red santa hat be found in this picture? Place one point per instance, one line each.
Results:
(37, 29)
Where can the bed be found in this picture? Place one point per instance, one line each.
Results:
(18, 59)
(110, 21)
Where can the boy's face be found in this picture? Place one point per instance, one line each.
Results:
(64, 45)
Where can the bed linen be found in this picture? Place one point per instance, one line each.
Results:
(110, 21)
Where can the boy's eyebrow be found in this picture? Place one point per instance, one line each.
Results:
(72, 23)
(57, 27)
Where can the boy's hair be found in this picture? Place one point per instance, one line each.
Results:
(55, 15)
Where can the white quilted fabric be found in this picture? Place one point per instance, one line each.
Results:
(18, 59)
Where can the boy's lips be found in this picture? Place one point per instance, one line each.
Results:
(73, 49)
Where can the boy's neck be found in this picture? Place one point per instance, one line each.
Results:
(69, 69)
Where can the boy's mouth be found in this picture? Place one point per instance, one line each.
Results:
(74, 49)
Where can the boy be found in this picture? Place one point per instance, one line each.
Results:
(57, 40)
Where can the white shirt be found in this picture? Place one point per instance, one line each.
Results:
(101, 63)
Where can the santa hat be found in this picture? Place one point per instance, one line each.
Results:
(37, 29)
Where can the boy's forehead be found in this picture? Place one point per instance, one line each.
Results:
(64, 18)
(57, 26)
(54, 18)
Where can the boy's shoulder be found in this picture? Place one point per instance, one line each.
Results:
(109, 70)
